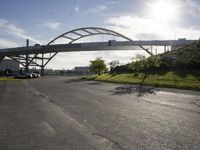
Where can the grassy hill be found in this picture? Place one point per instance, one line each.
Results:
(180, 68)
(186, 57)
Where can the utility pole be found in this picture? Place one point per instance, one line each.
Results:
(27, 48)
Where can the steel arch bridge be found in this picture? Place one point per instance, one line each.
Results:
(40, 57)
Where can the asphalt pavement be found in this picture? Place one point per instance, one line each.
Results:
(67, 113)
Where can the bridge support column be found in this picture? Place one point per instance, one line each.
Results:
(42, 66)
(42, 71)
(27, 63)
(151, 49)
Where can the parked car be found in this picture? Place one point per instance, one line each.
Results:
(24, 76)
(36, 75)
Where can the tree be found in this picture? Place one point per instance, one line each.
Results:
(97, 66)
(142, 64)
(113, 64)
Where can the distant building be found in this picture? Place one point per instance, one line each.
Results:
(82, 70)
(63, 72)
(86, 69)
(8, 64)
(51, 72)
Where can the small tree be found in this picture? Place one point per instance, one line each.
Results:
(143, 64)
(97, 66)
(113, 64)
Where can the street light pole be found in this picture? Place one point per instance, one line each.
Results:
(27, 65)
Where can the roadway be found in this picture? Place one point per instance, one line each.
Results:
(60, 113)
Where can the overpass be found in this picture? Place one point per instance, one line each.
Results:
(92, 46)
(37, 55)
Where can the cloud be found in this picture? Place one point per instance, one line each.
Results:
(139, 28)
(6, 26)
(4, 43)
(52, 25)
(192, 7)
(77, 8)
(133, 26)
(97, 9)
(111, 2)
(190, 13)
(186, 13)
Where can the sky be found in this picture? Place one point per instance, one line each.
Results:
(42, 20)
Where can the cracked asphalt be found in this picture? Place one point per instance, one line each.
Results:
(61, 113)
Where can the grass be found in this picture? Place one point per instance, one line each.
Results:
(7, 79)
(169, 79)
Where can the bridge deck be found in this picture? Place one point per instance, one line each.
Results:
(95, 46)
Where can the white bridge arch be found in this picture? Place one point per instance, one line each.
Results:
(40, 59)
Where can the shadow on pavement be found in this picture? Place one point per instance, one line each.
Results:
(74, 80)
(94, 83)
(134, 89)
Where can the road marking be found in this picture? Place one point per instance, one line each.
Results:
(48, 130)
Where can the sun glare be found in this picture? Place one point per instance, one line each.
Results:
(165, 11)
